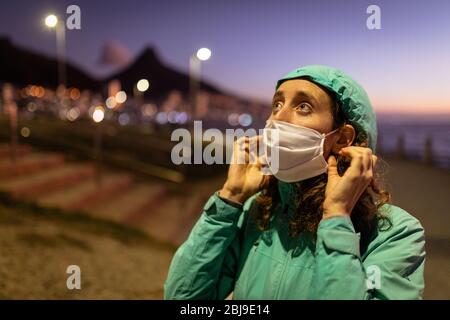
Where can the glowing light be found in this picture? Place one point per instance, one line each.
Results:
(31, 107)
(33, 91)
(39, 91)
(148, 110)
(182, 117)
(142, 85)
(124, 119)
(25, 132)
(161, 117)
(245, 119)
(233, 119)
(204, 54)
(99, 114)
(73, 114)
(74, 94)
(172, 117)
(51, 21)
(121, 97)
(111, 103)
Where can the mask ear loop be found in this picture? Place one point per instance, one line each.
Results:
(323, 142)
(331, 132)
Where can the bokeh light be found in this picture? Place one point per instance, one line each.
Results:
(142, 85)
(148, 110)
(99, 114)
(233, 119)
(121, 97)
(161, 117)
(73, 114)
(124, 119)
(111, 102)
(245, 119)
(25, 132)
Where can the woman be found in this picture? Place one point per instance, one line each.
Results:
(320, 227)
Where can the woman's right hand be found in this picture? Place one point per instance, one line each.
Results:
(244, 174)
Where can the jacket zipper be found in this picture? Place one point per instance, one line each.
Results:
(283, 272)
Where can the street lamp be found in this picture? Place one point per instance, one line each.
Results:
(195, 61)
(98, 115)
(203, 54)
(138, 91)
(51, 21)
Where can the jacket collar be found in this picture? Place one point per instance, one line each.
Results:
(287, 196)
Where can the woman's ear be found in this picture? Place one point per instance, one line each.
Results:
(347, 135)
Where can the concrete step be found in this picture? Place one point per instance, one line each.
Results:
(130, 206)
(21, 150)
(87, 193)
(173, 221)
(30, 163)
(33, 185)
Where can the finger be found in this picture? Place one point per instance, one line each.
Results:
(369, 172)
(332, 167)
(356, 166)
(258, 140)
(374, 161)
(367, 159)
(236, 148)
(246, 150)
(354, 151)
(239, 151)
(254, 149)
(361, 158)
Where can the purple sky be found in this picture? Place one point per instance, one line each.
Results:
(404, 67)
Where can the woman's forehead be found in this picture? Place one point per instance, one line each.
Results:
(302, 87)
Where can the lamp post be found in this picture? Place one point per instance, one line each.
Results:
(195, 60)
(98, 115)
(139, 90)
(51, 21)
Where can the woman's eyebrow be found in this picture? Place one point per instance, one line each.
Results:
(278, 94)
(298, 94)
(303, 93)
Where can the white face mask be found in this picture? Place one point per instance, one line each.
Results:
(293, 153)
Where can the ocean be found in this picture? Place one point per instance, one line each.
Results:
(415, 130)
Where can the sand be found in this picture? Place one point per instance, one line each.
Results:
(424, 192)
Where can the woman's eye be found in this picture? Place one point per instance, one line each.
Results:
(277, 105)
(304, 107)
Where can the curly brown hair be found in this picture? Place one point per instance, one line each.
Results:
(310, 194)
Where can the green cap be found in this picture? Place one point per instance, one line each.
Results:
(350, 95)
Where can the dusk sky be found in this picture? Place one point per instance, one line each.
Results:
(405, 66)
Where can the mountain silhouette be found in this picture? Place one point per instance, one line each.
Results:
(23, 67)
(162, 78)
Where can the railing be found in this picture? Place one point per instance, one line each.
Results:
(424, 153)
(129, 148)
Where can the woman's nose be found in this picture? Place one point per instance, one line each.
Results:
(283, 114)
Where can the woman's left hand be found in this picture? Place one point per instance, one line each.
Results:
(342, 193)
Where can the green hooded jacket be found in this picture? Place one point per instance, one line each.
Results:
(225, 252)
